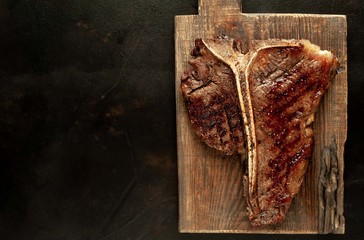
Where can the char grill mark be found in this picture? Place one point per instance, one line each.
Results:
(210, 91)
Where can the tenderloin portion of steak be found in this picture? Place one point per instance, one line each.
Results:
(285, 81)
(212, 101)
(279, 85)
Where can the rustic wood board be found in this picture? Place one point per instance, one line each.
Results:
(210, 184)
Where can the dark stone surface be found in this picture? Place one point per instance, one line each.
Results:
(87, 118)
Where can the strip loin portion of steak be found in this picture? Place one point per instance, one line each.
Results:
(286, 82)
(211, 96)
(279, 85)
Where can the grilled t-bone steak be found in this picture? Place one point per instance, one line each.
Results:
(279, 86)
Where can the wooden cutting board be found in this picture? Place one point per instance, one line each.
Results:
(210, 184)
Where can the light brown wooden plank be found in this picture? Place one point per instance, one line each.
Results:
(210, 184)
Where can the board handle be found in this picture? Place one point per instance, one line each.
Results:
(218, 7)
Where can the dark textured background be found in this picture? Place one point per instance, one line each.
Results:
(87, 118)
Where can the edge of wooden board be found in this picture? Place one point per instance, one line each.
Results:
(279, 14)
(283, 232)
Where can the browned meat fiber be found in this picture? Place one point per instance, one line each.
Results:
(271, 95)
(212, 101)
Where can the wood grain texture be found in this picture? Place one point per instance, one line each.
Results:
(210, 184)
